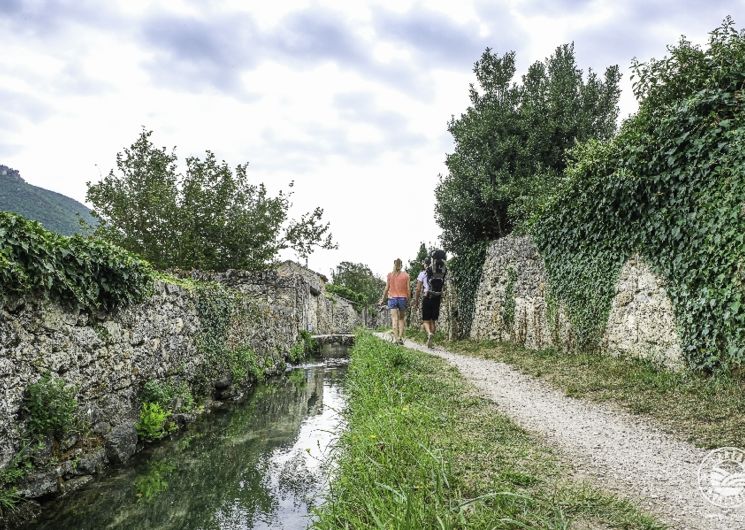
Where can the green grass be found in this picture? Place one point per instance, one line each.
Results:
(706, 410)
(422, 450)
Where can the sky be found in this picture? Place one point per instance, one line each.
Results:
(350, 100)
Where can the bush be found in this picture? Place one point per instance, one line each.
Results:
(153, 423)
(357, 299)
(170, 396)
(244, 362)
(51, 407)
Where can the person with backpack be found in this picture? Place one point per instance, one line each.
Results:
(430, 284)
(397, 293)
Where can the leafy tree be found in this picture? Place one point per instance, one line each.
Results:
(414, 266)
(510, 147)
(359, 278)
(510, 143)
(210, 218)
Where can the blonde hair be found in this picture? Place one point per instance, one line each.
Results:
(397, 264)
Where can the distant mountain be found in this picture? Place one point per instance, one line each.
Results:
(55, 211)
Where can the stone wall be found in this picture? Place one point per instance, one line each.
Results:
(511, 301)
(642, 320)
(512, 305)
(109, 357)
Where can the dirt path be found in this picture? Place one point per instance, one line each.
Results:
(618, 451)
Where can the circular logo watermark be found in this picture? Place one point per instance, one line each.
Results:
(721, 477)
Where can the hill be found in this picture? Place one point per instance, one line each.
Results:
(55, 211)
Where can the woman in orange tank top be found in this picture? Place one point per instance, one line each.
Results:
(397, 293)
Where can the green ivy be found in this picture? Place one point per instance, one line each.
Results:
(464, 269)
(243, 363)
(174, 397)
(357, 299)
(87, 273)
(671, 188)
(215, 305)
(508, 308)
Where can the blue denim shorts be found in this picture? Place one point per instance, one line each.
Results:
(398, 302)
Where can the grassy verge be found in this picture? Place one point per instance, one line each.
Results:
(707, 411)
(422, 450)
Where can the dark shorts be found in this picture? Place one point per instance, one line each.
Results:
(431, 307)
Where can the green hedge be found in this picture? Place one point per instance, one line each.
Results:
(671, 188)
(357, 299)
(87, 273)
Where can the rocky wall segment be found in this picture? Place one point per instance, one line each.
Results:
(109, 357)
(511, 301)
(512, 304)
(641, 322)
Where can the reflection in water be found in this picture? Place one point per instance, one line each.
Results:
(259, 464)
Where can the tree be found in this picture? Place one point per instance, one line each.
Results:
(510, 143)
(211, 218)
(509, 155)
(414, 266)
(359, 278)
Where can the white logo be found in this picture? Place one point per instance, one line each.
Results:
(721, 477)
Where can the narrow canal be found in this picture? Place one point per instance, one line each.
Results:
(262, 463)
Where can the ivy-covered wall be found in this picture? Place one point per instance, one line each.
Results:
(670, 188)
(514, 303)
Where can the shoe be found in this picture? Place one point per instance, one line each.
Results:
(430, 337)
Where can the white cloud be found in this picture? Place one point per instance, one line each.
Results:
(350, 100)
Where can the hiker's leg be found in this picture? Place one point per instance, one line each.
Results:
(394, 322)
(401, 324)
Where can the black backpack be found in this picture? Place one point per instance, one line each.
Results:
(436, 273)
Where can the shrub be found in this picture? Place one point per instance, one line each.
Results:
(244, 362)
(51, 408)
(153, 423)
(170, 396)
(357, 299)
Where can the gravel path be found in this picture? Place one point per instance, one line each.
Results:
(617, 451)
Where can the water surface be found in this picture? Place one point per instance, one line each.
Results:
(259, 464)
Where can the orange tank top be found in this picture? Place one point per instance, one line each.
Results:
(398, 285)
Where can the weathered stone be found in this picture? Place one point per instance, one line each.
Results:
(69, 442)
(121, 444)
(641, 321)
(39, 485)
(182, 418)
(223, 383)
(91, 463)
(75, 483)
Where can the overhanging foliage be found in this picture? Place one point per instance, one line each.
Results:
(88, 273)
(670, 187)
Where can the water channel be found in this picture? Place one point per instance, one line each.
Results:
(262, 463)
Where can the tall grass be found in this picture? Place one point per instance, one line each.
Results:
(422, 451)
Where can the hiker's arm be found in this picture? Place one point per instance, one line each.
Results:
(385, 293)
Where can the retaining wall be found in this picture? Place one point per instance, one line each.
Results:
(109, 357)
(512, 304)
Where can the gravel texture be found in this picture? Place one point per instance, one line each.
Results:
(607, 446)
